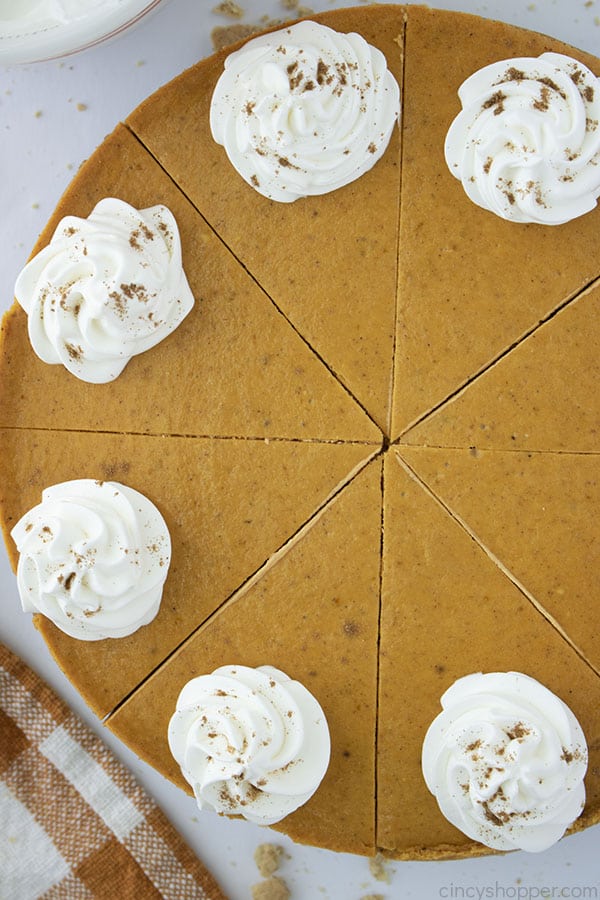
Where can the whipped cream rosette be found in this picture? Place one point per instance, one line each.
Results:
(505, 760)
(304, 110)
(105, 289)
(526, 145)
(94, 557)
(250, 742)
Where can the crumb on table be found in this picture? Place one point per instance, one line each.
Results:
(378, 869)
(297, 7)
(274, 888)
(229, 8)
(267, 858)
(224, 35)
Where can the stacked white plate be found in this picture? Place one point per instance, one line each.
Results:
(34, 30)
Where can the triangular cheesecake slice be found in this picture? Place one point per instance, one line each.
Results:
(470, 284)
(309, 254)
(540, 396)
(233, 368)
(314, 615)
(448, 611)
(536, 515)
(229, 506)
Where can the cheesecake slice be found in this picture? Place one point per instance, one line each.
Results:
(447, 611)
(229, 505)
(313, 614)
(470, 284)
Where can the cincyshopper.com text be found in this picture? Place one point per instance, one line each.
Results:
(500, 891)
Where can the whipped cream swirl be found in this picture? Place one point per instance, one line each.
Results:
(506, 760)
(250, 742)
(304, 110)
(105, 288)
(526, 145)
(93, 558)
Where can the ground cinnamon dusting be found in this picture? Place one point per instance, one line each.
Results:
(75, 352)
(514, 74)
(518, 731)
(69, 581)
(543, 103)
(133, 240)
(553, 86)
(322, 73)
(496, 101)
(490, 816)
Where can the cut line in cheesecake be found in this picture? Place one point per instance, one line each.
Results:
(506, 571)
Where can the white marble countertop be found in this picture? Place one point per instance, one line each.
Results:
(52, 116)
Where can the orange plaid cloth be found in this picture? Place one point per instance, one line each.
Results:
(74, 823)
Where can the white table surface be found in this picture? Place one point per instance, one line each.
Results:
(45, 134)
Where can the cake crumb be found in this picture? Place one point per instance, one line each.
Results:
(38, 113)
(81, 107)
(224, 35)
(296, 7)
(372, 896)
(229, 8)
(378, 868)
(274, 888)
(267, 858)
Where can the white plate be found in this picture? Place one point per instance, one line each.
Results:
(34, 30)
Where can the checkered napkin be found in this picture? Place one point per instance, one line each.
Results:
(74, 823)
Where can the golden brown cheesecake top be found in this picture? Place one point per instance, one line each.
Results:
(373, 439)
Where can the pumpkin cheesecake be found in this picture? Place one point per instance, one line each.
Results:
(373, 439)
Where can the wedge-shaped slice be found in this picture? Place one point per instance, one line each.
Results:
(314, 615)
(228, 504)
(470, 283)
(538, 397)
(537, 516)
(448, 611)
(234, 367)
(328, 262)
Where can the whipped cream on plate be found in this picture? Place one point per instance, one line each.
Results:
(93, 558)
(505, 760)
(105, 289)
(526, 145)
(304, 110)
(250, 742)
